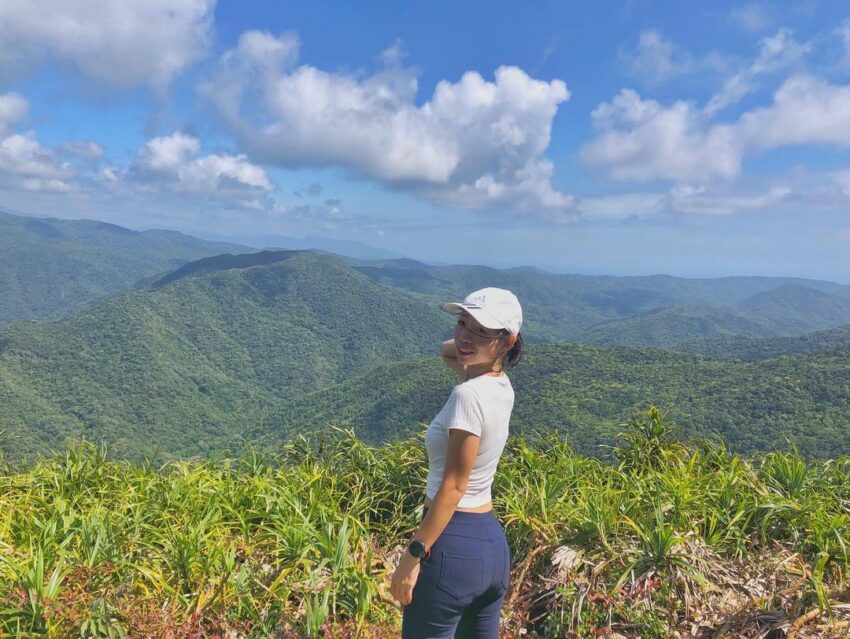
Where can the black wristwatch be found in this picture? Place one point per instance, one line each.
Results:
(417, 549)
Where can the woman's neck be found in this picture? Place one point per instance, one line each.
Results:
(483, 369)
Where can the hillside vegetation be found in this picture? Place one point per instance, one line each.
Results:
(587, 392)
(751, 349)
(50, 268)
(276, 343)
(657, 310)
(301, 542)
(186, 367)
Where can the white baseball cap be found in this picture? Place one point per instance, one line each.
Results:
(492, 308)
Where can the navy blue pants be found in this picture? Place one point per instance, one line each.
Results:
(462, 585)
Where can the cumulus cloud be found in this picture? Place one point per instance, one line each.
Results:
(13, 108)
(475, 143)
(27, 165)
(120, 43)
(805, 110)
(171, 158)
(643, 140)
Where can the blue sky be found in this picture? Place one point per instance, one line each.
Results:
(690, 138)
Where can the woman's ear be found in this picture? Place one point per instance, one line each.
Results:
(510, 341)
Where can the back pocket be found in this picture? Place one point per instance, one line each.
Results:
(461, 576)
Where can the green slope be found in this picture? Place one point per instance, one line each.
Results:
(751, 348)
(589, 391)
(657, 310)
(190, 365)
(668, 327)
(50, 267)
(276, 342)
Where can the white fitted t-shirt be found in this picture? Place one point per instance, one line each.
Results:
(482, 406)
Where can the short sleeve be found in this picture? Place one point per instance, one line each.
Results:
(464, 411)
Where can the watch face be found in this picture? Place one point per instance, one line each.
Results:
(416, 548)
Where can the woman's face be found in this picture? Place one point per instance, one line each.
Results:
(475, 344)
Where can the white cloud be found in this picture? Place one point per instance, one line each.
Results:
(805, 110)
(643, 140)
(775, 52)
(172, 158)
(168, 153)
(13, 108)
(657, 58)
(120, 43)
(475, 143)
(27, 165)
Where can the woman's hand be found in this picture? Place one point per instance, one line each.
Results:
(447, 349)
(404, 579)
(449, 354)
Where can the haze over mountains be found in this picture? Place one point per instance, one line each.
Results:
(262, 345)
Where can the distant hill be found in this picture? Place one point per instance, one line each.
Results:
(657, 310)
(670, 326)
(347, 248)
(265, 345)
(752, 349)
(588, 392)
(189, 364)
(793, 308)
(50, 268)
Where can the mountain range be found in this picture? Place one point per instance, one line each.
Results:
(256, 347)
(50, 268)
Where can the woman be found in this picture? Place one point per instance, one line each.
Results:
(453, 577)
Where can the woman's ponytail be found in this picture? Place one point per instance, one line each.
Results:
(513, 356)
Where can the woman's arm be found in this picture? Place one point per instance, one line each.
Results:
(460, 458)
(449, 355)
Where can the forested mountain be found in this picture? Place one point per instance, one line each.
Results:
(188, 364)
(588, 392)
(265, 345)
(656, 310)
(754, 348)
(51, 267)
(674, 325)
(260, 345)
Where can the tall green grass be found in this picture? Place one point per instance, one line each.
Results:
(301, 541)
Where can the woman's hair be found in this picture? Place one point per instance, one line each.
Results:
(513, 356)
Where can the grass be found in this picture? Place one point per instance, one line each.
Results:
(301, 541)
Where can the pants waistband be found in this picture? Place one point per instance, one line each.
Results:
(465, 517)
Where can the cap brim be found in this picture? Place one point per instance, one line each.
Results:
(480, 316)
